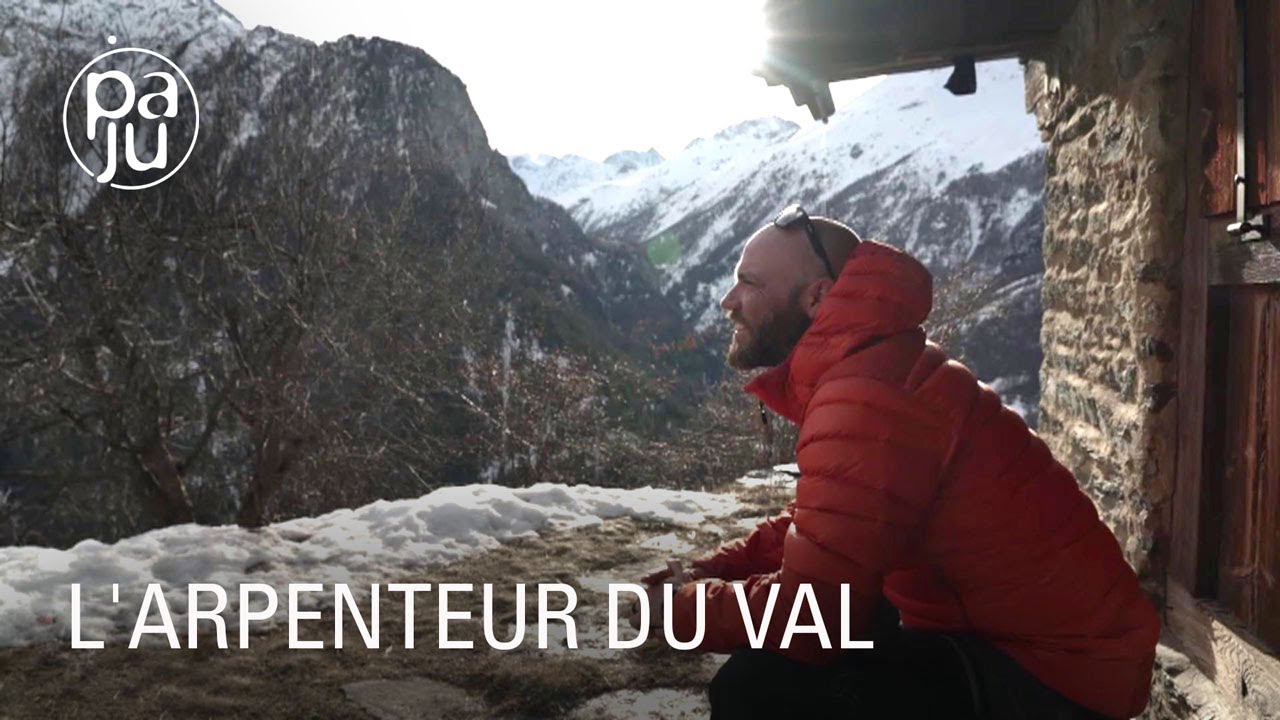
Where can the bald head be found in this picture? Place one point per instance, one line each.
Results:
(838, 239)
(789, 256)
(780, 283)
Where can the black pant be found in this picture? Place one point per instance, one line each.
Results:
(909, 674)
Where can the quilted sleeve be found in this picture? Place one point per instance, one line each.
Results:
(759, 552)
(870, 459)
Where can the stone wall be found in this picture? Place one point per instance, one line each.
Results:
(1110, 100)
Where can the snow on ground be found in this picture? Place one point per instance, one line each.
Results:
(377, 543)
(777, 476)
(670, 544)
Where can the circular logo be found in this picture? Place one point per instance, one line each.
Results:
(116, 134)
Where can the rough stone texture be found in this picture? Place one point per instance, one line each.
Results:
(1179, 690)
(657, 704)
(412, 699)
(1110, 100)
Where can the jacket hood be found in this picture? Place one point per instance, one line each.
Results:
(881, 291)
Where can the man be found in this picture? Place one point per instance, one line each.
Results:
(925, 496)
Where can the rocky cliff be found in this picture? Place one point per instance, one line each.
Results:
(343, 281)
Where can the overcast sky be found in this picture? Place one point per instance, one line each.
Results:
(573, 76)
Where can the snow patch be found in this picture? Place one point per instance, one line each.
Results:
(779, 476)
(377, 543)
(670, 543)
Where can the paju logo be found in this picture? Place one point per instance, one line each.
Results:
(108, 95)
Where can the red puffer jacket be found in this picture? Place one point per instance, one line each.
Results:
(916, 482)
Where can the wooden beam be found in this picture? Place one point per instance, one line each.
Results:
(1185, 526)
(830, 41)
(867, 67)
(1192, 527)
(1187, 529)
(1243, 669)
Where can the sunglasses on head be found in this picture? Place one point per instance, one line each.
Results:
(793, 215)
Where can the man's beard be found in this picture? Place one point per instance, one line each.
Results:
(771, 342)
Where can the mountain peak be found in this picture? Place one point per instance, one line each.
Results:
(956, 181)
(767, 128)
(629, 160)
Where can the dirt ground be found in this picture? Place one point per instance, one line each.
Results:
(271, 681)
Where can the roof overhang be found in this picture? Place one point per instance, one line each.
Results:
(814, 43)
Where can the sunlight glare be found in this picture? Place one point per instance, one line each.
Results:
(733, 32)
(572, 76)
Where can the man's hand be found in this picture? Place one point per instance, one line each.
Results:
(672, 574)
(657, 577)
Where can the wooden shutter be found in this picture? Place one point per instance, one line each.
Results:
(1218, 68)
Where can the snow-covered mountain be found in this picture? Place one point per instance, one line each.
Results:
(361, 161)
(551, 177)
(957, 181)
(387, 115)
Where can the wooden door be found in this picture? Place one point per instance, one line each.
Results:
(1239, 539)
